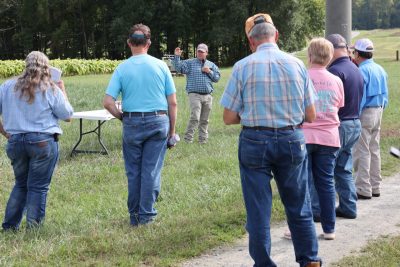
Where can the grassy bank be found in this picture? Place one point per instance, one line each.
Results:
(200, 205)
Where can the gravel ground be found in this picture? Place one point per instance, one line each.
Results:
(376, 217)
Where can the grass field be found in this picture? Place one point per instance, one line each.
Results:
(200, 205)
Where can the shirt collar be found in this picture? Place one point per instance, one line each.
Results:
(266, 46)
(368, 61)
(340, 59)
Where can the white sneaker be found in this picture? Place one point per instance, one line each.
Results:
(329, 236)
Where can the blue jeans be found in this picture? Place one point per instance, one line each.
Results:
(280, 154)
(321, 163)
(33, 157)
(144, 147)
(349, 131)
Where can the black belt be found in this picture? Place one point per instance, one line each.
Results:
(264, 128)
(200, 93)
(348, 119)
(144, 114)
(374, 107)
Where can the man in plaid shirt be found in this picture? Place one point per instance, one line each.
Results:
(201, 73)
(271, 94)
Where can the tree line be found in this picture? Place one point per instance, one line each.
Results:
(98, 28)
(376, 14)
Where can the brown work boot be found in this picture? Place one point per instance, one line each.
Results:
(313, 264)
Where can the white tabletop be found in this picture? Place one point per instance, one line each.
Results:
(100, 115)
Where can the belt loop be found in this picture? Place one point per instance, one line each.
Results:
(156, 112)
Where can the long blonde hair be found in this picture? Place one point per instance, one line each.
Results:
(36, 75)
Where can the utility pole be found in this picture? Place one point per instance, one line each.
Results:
(338, 18)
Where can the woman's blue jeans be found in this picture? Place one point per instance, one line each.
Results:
(144, 147)
(281, 154)
(33, 157)
(349, 131)
(321, 164)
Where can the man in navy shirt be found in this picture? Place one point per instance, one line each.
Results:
(350, 126)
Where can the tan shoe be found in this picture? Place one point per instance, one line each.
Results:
(313, 264)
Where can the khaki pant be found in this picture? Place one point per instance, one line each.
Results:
(366, 153)
(200, 107)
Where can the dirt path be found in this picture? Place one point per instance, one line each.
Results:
(376, 217)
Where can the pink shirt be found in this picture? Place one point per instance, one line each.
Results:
(325, 129)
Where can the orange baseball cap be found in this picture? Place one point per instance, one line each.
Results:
(256, 19)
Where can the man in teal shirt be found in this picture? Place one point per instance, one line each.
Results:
(149, 114)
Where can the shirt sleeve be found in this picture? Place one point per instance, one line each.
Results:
(61, 108)
(180, 66)
(214, 75)
(114, 86)
(310, 95)
(386, 94)
(341, 92)
(169, 82)
(232, 97)
(1, 98)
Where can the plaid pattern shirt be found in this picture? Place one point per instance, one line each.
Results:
(197, 81)
(269, 88)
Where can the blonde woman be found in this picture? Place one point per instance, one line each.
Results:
(322, 136)
(31, 106)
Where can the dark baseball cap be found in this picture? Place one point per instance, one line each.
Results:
(337, 40)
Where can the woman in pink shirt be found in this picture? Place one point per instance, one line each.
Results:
(322, 135)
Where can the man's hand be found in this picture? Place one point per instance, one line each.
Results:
(206, 70)
(178, 51)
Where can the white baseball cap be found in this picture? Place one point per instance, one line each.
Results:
(202, 48)
(364, 45)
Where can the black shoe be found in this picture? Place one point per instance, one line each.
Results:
(316, 218)
(362, 196)
(343, 215)
(376, 195)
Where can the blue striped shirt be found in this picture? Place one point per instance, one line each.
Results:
(269, 88)
(196, 80)
(41, 116)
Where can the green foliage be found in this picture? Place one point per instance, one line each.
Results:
(10, 68)
(376, 14)
(69, 67)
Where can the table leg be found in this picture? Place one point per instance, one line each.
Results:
(96, 131)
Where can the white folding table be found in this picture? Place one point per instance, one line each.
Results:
(101, 116)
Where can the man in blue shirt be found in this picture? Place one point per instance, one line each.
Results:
(270, 94)
(367, 159)
(201, 73)
(149, 116)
